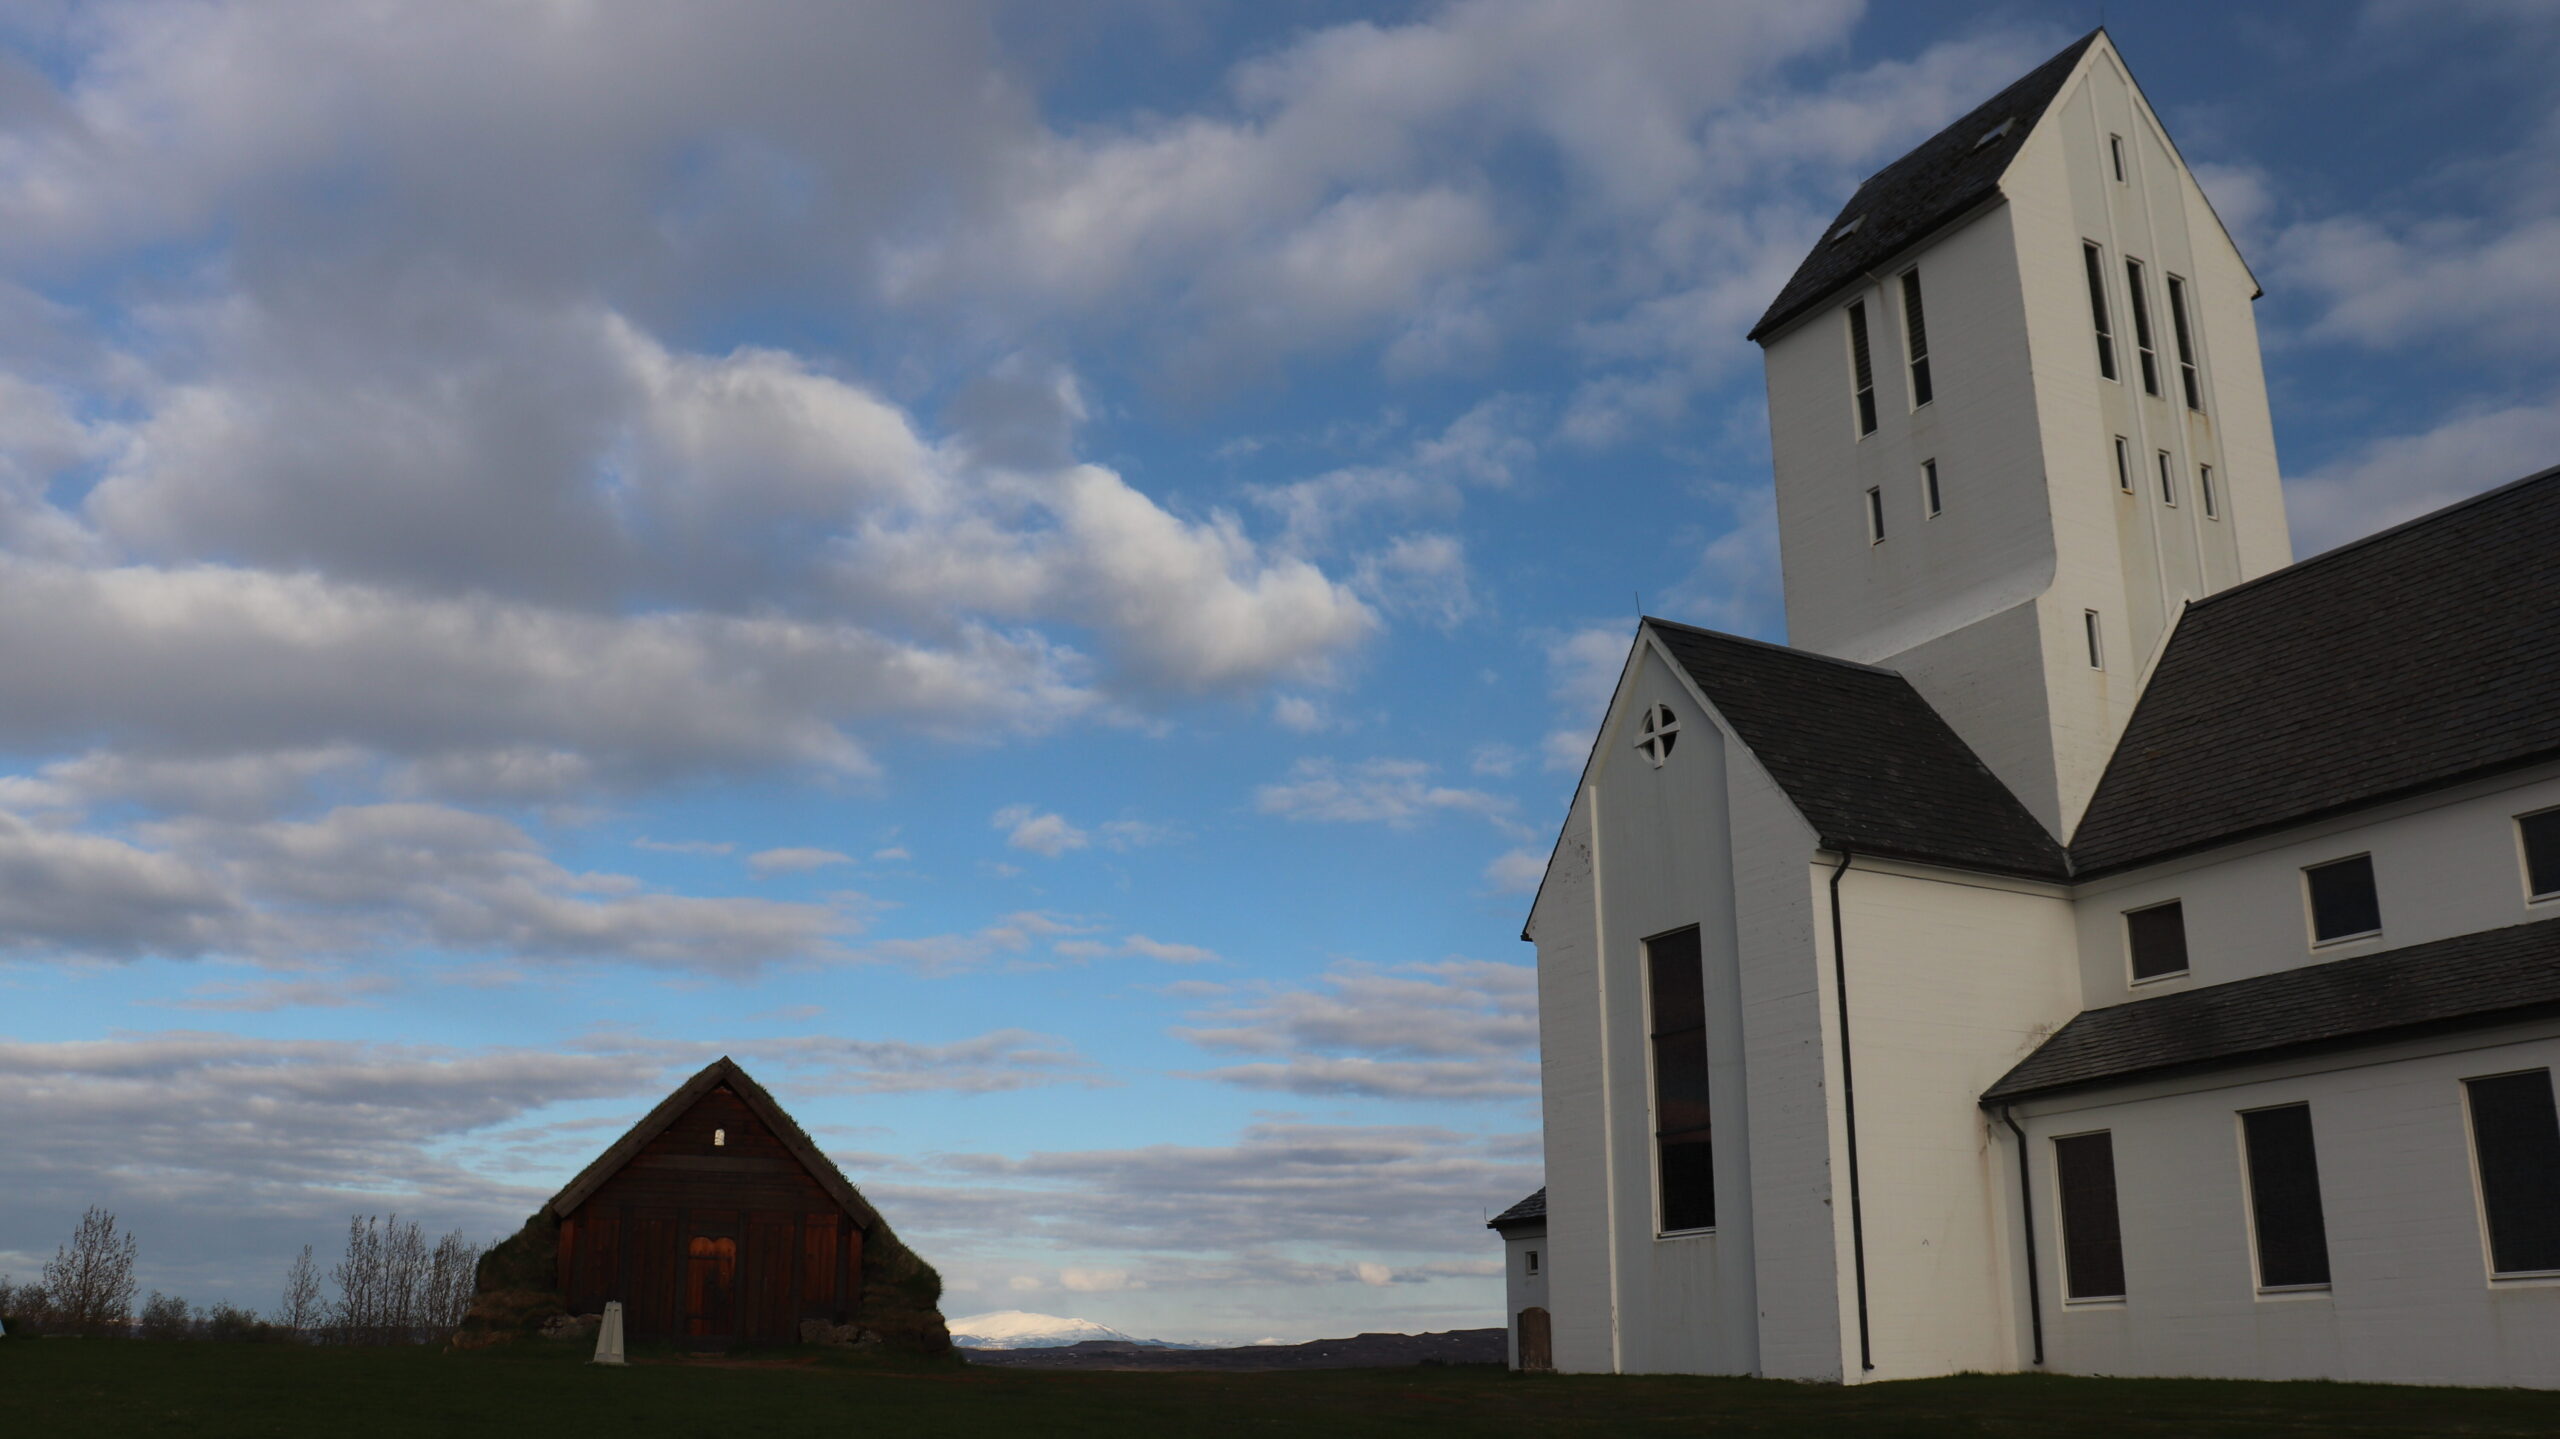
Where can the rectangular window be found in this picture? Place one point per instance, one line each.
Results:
(2084, 1168)
(2186, 343)
(2115, 150)
(2204, 492)
(1916, 332)
(1875, 516)
(2157, 939)
(1929, 488)
(2098, 311)
(2124, 464)
(2343, 902)
(2140, 299)
(1675, 981)
(2168, 485)
(1533, 1261)
(2097, 656)
(2541, 836)
(2515, 1143)
(1864, 364)
(2284, 1198)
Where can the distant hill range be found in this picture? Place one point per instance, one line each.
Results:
(1015, 1329)
(1361, 1351)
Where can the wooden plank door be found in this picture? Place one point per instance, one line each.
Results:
(711, 1277)
(1537, 1340)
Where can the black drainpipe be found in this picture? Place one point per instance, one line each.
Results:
(2027, 1216)
(1849, 1111)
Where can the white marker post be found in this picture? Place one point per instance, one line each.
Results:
(609, 1334)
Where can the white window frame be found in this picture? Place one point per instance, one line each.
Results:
(2524, 870)
(2497, 1278)
(1932, 504)
(2168, 478)
(2115, 152)
(1652, 1119)
(2134, 981)
(2062, 1238)
(2311, 920)
(2204, 493)
(2276, 1293)
(2096, 632)
(2124, 465)
(1875, 514)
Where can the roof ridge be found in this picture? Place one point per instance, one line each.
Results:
(1770, 645)
(2378, 536)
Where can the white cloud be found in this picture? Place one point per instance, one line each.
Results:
(1297, 713)
(683, 846)
(1394, 792)
(1038, 831)
(2403, 476)
(1158, 949)
(1516, 871)
(1422, 576)
(793, 860)
(1093, 1281)
(1455, 1029)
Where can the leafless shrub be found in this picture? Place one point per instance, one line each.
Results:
(23, 1307)
(452, 1280)
(88, 1283)
(393, 1289)
(229, 1324)
(164, 1316)
(302, 1310)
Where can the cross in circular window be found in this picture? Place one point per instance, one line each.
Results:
(1661, 731)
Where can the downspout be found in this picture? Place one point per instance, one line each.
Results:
(2027, 1217)
(1849, 1113)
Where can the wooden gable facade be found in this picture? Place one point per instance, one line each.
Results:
(715, 1220)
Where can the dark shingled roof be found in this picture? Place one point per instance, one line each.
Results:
(2469, 981)
(1903, 203)
(2417, 658)
(723, 1070)
(1864, 758)
(1532, 1208)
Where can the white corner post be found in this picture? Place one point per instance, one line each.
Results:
(609, 1334)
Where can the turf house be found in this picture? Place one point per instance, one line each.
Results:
(716, 1221)
(2097, 942)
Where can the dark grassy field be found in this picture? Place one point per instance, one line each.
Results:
(77, 1388)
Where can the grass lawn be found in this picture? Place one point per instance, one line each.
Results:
(77, 1388)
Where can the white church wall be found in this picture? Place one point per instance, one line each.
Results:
(1952, 979)
(2443, 865)
(1524, 1281)
(1572, 1039)
(2411, 1298)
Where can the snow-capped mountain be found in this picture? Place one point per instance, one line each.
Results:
(1014, 1329)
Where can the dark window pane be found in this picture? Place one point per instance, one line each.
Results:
(2098, 313)
(2158, 937)
(2139, 297)
(2542, 851)
(2092, 1245)
(1682, 1121)
(2515, 1133)
(2186, 345)
(2342, 899)
(2284, 1197)
(1919, 336)
(1863, 362)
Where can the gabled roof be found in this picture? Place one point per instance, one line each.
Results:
(1943, 179)
(718, 1072)
(1863, 757)
(2494, 977)
(1530, 1210)
(2408, 661)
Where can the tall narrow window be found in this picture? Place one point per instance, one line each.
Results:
(2344, 904)
(2084, 1166)
(2515, 1142)
(2124, 464)
(1916, 332)
(2097, 656)
(1929, 501)
(2115, 151)
(2204, 492)
(2140, 299)
(1875, 516)
(2284, 1198)
(2541, 836)
(1676, 984)
(2157, 938)
(2168, 484)
(2098, 311)
(1863, 363)
(2186, 343)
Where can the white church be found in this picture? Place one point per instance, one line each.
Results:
(2097, 943)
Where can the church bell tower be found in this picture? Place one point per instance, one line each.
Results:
(2018, 421)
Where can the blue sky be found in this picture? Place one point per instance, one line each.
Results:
(1037, 576)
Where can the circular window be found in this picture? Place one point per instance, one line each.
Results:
(1661, 732)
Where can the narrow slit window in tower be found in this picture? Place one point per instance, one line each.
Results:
(2168, 481)
(1862, 362)
(2141, 302)
(1916, 332)
(2204, 492)
(2097, 656)
(2115, 150)
(2186, 343)
(1875, 515)
(2124, 464)
(2098, 310)
(1929, 488)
